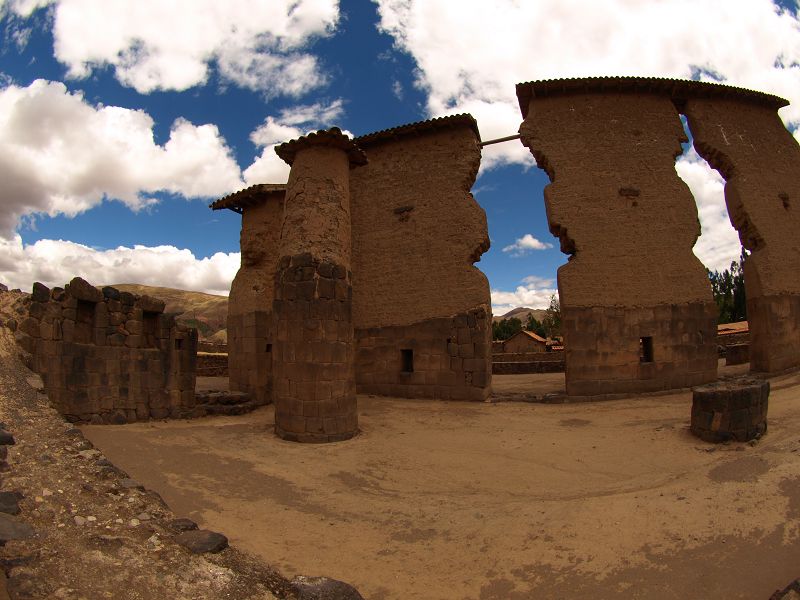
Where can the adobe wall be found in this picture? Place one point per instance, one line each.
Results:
(760, 161)
(417, 232)
(628, 223)
(250, 331)
(523, 343)
(109, 356)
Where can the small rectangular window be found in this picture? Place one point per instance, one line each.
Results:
(269, 347)
(646, 349)
(407, 360)
(178, 344)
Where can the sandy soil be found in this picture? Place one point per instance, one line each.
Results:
(503, 500)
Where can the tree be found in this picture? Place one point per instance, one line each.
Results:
(502, 330)
(729, 292)
(535, 326)
(552, 318)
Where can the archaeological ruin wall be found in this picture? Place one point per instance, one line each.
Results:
(637, 309)
(249, 324)
(109, 356)
(636, 303)
(313, 360)
(743, 137)
(420, 307)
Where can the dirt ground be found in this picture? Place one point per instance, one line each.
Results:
(486, 501)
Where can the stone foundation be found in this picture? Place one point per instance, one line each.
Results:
(315, 395)
(730, 410)
(110, 356)
(250, 354)
(622, 350)
(446, 358)
(774, 332)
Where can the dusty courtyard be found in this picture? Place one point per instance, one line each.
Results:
(494, 500)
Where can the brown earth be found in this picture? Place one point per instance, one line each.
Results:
(495, 500)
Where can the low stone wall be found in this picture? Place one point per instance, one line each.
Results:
(109, 356)
(521, 368)
(212, 364)
(556, 356)
(447, 358)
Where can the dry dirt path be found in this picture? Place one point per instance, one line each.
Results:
(495, 501)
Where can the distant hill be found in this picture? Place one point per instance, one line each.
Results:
(521, 313)
(206, 312)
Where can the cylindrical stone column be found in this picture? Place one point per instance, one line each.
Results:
(313, 359)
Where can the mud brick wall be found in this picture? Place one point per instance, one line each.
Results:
(417, 232)
(109, 356)
(637, 308)
(443, 358)
(250, 330)
(760, 161)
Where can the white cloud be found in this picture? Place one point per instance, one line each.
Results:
(718, 244)
(534, 293)
(156, 45)
(55, 262)
(749, 43)
(289, 124)
(527, 243)
(62, 155)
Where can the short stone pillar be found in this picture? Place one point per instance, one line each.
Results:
(734, 409)
(313, 358)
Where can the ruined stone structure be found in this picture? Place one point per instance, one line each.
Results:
(385, 253)
(314, 360)
(636, 304)
(250, 332)
(760, 161)
(109, 356)
(406, 235)
(420, 307)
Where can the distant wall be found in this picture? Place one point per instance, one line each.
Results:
(109, 356)
(250, 328)
(524, 343)
(419, 302)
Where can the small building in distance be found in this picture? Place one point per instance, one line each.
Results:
(525, 342)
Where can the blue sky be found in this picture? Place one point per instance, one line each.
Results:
(120, 121)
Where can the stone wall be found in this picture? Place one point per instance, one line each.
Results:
(109, 356)
(250, 327)
(760, 161)
(313, 365)
(445, 358)
(637, 308)
(418, 299)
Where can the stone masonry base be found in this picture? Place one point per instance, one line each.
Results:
(612, 350)
(446, 358)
